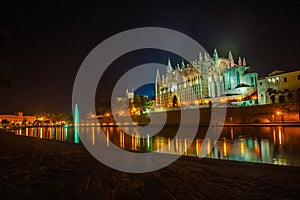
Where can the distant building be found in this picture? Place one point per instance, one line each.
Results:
(18, 118)
(129, 95)
(207, 79)
(122, 103)
(279, 87)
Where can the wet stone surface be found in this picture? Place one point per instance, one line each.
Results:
(42, 169)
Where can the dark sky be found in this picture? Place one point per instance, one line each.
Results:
(51, 39)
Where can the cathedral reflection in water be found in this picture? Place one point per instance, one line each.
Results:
(266, 144)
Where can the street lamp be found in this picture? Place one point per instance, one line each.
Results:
(280, 113)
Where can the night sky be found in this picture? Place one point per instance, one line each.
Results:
(51, 39)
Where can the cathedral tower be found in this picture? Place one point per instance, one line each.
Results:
(157, 88)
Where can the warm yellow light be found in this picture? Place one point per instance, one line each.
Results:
(242, 148)
(239, 98)
(93, 136)
(278, 113)
(280, 136)
(197, 146)
(223, 100)
(274, 136)
(225, 148)
(208, 148)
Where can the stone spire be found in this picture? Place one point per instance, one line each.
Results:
(157, 81)
(157, 88)
(244, 62)
(216, 56)
(169, 68)
(230, 57)
(182, 64)
(200, 57)
(206, 56)
(240, 63)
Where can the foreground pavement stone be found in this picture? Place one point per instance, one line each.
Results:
(33, 168)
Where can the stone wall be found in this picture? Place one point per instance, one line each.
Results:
(250, 114)
(264, 113)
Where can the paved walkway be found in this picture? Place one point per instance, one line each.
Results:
(42, 169)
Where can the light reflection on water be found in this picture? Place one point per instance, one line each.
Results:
(274, 145)
(55, 133)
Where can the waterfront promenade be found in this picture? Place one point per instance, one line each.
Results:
(34, 168)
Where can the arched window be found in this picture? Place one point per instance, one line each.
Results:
(272, 98)
(281, 99)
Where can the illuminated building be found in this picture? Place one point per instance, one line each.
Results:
(129, 95)
(18, 118)
(279, 87)
(207, 79)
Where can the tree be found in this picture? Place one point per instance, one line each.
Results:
(63, 117)
(141, 103)
(149, 103)
(24, 121)
(137, 101)
(53, 117)
(144, 101)
(175, 101)
(5, 122)
(103, 107)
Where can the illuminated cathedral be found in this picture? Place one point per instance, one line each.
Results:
(207, 79)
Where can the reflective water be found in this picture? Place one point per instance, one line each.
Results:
(274, 145)
(62, 133)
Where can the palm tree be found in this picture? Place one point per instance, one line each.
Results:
(5, 122)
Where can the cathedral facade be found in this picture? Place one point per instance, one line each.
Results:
(206, 79)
